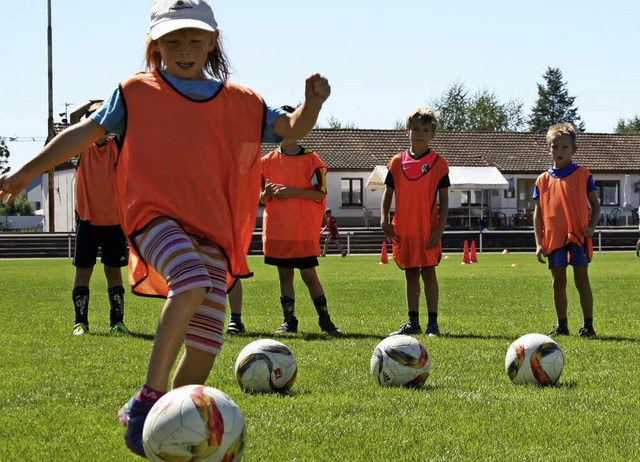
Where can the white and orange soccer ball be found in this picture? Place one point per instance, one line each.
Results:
(194, 422)
(266, 366)
(534, 358)
(400, 361)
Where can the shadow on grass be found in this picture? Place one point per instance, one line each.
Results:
(304, 336)
(613, 338)
(131, 335)
(472, 336)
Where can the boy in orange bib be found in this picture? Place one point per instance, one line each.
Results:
(419, 178)
(564, 220)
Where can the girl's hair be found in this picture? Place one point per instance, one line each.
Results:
(217, 62)
(562, 129)
(425, 115)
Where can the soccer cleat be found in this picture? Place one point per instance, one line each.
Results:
(559, 331)
(119, 329)
(132, 416)
(587, 332)
(344, 254)
(407, 329)
(288, 327)
(329, 327)
(235, 328)
(80, 329)
(433, 330)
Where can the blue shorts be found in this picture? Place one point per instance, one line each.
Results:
(571, 254)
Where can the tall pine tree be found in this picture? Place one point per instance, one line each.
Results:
(554, 105)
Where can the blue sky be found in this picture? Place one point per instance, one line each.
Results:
(382, 58)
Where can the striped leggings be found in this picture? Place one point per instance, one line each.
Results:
(187, 262)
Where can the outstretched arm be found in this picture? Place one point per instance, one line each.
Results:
(67, 144)
(300, 122)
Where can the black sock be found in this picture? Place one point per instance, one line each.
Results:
(116, 300)
(288, 307)
(80, 296)
(321, 307)
(588, 323)
(563, 323)
(414, 318)
(433, 319)
(236, 318)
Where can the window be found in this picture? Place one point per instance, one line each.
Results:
(473, 198)
(351, 191)
(608, 192)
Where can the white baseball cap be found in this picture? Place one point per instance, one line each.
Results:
(170, 15)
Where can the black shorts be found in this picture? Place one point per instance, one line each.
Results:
(300, 263)
(110, 239)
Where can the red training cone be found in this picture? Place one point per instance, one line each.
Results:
(474, 257)
(383, 255)
(465, 255)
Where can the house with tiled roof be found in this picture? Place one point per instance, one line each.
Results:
(357, 160)
(352, 156)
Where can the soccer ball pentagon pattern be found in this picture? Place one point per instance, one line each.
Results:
(266, 366)
(400, 361)
(194, 422)
(534, 358)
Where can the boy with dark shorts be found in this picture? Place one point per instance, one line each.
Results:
(98, 227)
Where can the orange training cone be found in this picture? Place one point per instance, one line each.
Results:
(474, 257)
(383, 256)
(465, 255)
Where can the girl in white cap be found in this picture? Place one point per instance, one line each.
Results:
(187, 182)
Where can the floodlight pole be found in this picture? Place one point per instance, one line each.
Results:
(50, 130)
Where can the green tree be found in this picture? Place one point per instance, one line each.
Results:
(452, 106)
(554, 105)
(335, 124)
(480, 112)
(4, 157)
(20, 206)
(628, 127)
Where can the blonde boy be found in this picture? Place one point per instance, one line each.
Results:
(565, 217)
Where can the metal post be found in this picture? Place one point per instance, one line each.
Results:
(50, 130)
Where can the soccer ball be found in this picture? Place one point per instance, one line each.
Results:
(194, 422)
(400, 361)
(534, 358)
(266, 366)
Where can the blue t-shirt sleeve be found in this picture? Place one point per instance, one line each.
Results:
(591, 185)
(270, 136)
(112, 114)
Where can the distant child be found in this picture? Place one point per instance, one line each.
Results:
(419, 178)
(294, 194)
(98, 227)
(234, 296)
(331, 228)
(564, 220)
(187, 180)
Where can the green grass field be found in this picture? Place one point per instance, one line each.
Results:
(59, 394)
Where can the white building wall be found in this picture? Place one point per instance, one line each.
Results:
(64, 199)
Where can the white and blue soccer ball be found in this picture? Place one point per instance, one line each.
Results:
(534, 358)
(194, 422)
(266, 366)
(400, 361)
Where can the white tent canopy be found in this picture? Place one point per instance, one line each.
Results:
(462, 178)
